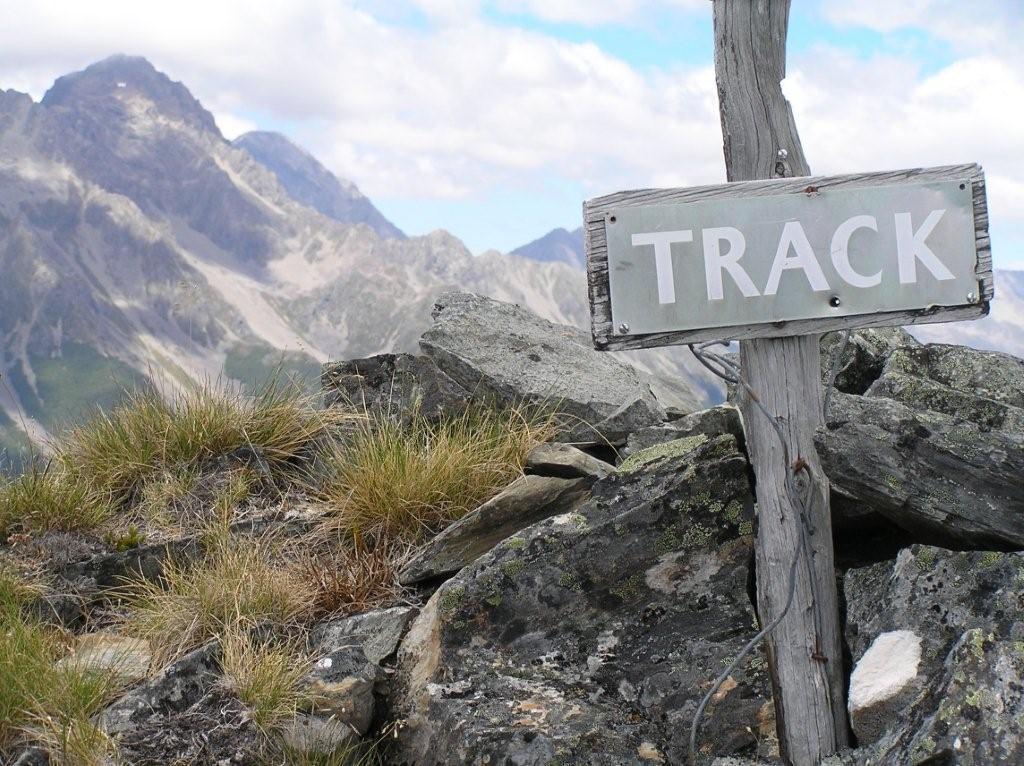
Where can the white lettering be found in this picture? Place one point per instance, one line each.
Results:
(794, 237)
(715, 262)
(841, 251)
(662, 242)
(910, 248)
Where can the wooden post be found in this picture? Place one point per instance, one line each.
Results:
(804, 651)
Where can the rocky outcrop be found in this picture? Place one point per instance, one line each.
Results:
(963, 704)
(982, 387)
(945, 480)
(590, 637)
(502, 352)
(565, 462)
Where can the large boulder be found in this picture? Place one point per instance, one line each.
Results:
(503, 352)
(864, 356)
(590, 637)
(963, 701)
(982, 387)
(946, 480)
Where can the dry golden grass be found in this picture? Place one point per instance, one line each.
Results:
(151, 436)
(239, 582)
(45, 498)
(40, 700)
(265, 676)
(389, 481)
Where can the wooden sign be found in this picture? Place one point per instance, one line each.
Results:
(789, 256)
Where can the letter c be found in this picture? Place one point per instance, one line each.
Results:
(841, 251)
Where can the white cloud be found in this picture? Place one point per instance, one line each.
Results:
(589, 12)
(464, 107)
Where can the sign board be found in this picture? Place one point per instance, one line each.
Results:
(788, 257)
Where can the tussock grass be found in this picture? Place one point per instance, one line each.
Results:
(150, 435)
(239, 582)
(45, 498)
(390, 480)
(356, 754)
(355, 579)
(40, 700)
(265, 676)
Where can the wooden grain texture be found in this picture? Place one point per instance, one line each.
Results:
(805, 649)
(595, 214)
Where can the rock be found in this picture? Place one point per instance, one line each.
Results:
(590, 637)
(724, 419)
(393, 384)
(865, 355)
(942, 597)
(340, 689)
(565, 461)
(526, 500)
(377, 633)
(882, 683)
(983, 387)
(127, 659)
(947, 482)
(173, 690)
(971, 714)
(503, 352)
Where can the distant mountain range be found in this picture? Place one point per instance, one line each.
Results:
(1001, 330)
(137, 244)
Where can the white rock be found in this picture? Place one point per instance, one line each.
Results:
(883, 682)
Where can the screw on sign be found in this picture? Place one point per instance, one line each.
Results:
(773, 259)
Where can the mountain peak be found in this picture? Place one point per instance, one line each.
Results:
(99, 83)
(557, 245)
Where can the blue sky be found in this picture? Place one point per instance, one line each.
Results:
(495, 119)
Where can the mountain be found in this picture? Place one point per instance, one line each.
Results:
(1002, 330)
(137, 244)
(310, 183)
(557, 246)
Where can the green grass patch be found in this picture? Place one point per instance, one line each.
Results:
(45, 498)
(148, 435)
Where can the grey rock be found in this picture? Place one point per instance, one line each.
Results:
(127, 659)
(565, 461)
(965, 608)
(526, 500)
(340, 689)
(938, 594)
(590, 637)
(377, 632)
(948, 482)
(983, 387)
(501, 351)
(970, 715)
(173, 690)
(865, 355)
(397, 385)
(724, 419)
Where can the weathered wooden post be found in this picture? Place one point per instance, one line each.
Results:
(805, 649)
(773, 259)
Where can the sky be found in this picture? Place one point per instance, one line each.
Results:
(496, 119)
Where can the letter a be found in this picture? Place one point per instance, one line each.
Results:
(910, 248)
(793, 236)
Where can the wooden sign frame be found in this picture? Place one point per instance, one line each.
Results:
(596, 211)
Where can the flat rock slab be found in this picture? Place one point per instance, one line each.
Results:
(526, 500)
(503, 352)
(566, 462)
(122, 657)
(983, 387)
(377, 633)
(714, 421)
(965, 609)
(947, 481)
(590, 637)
